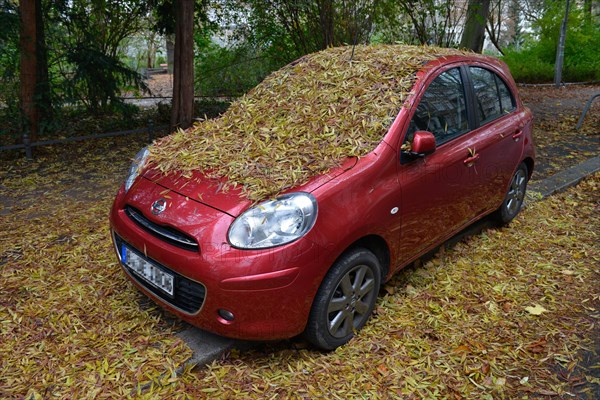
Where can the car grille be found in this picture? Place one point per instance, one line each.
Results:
(168, 234)
(188, 295)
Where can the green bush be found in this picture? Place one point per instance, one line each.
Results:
(231, 71)
(235, 69)
(526, 66)
(209, 108)
(534, 62)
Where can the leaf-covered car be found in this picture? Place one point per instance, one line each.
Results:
(285, 215)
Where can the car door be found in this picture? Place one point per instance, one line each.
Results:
(437, 189)
(500, 132)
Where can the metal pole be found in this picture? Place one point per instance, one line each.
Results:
(150, 131)
(585, 110)
(560, 51)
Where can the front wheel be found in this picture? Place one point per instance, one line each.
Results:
(514, 197)
(345, 299)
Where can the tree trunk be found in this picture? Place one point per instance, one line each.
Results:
(560, 51)
(326, 19)
(515, 17)
(474, 32)
(43, 96)
(183, 77)
(151, 59)
(587, 11)
(29, 43)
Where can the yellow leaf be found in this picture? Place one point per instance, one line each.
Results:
(567, 272)
(536, 310)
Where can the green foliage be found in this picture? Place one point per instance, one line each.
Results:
(417, 22)
(526, 66)
(206, 108)
(163, 14)
(88, 50)
(97, 78)
(263, 36)
(534, 62)
(231, 71)
(9, 40)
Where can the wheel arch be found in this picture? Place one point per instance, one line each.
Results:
(529, 163)
(378, 246)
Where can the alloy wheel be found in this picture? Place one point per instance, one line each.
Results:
(350, 304)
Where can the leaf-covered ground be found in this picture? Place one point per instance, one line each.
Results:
(70, 324)
(557, 111)
(509, 313)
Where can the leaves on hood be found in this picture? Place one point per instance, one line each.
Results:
(302, 120)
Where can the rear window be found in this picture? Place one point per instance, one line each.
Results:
(492, 96)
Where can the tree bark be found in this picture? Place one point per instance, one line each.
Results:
(151, 58)
(183, 76)
(34, 92)
(326, 19)
(474, 32)
(28, 42)
(43, 95)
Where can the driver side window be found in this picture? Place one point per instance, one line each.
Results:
(442, 109)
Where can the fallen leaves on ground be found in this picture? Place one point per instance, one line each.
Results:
(456, 327)
(71, 326)
(556, 114)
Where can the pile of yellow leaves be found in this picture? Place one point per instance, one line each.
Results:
(301, 120)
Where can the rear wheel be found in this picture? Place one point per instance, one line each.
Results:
(345, 299)
(514, 197)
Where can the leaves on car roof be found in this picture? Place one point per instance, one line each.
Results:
(302, 120)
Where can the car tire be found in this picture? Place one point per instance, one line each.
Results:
(511, 205)
(345, 299)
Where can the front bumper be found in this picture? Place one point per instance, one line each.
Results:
(268, 292)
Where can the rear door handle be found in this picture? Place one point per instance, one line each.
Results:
(469, 161)
(517, 135)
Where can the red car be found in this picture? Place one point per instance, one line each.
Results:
(312, 258)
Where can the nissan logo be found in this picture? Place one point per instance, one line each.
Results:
(159, 206)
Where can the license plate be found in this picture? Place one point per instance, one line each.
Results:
(147, 270)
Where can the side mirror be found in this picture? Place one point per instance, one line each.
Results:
(423, 143)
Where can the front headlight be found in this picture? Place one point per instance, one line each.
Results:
(274, 222)
(136, 167)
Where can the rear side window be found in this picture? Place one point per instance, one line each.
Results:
(442, 109)
(492, 97)
(507, 101)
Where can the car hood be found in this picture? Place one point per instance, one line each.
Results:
(209, 191)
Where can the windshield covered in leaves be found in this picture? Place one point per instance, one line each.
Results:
(301, 121)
